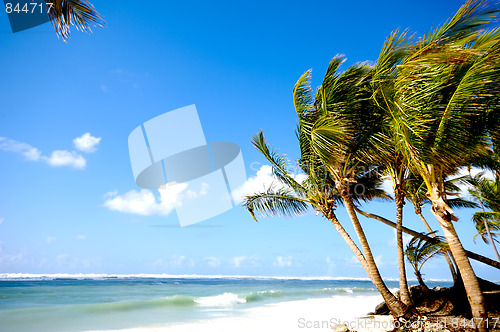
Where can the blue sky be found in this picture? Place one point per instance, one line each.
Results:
(238, 63)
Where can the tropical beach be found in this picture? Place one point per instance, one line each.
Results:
(202, 171)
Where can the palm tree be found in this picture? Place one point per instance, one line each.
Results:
(80, 13)
(419, 251)
(339, 131)
(443, 91)
(289, 198)
(487, 194)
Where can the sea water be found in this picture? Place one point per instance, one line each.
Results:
(55, 303)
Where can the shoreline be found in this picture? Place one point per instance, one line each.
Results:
(298, 315)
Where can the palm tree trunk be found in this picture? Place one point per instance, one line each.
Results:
(403, 282)
(470, 254)
(444, 215)
(418, 211)
(397, 308)
(347, 238)
(420, 280)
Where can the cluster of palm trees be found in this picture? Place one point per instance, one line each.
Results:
(428, 109)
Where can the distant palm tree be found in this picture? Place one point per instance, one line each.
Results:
(419, 251)
(487, 194)
(80, 13)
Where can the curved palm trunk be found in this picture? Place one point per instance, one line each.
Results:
(397, 308)
(447, 254)
(420, 280)
(403, 282)
(444, 215)
(347, 238)
(470, 254)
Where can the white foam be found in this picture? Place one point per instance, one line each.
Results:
(31, 276)
(226, 299)
(284, 316)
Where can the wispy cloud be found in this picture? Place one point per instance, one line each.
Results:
(80, 237)
(26, 150)
(57, 158)
(50, 239)
(87, 143)
(2, 220)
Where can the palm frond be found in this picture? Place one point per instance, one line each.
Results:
(274, 202)
(80, 13)
(493, 221)
(418, 251)
(279, 163)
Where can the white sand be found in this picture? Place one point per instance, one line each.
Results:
(305, 315)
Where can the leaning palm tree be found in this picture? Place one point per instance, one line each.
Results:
(288, 197)
(443, 92)
(487, 194)
(419, 251)
(80, 13)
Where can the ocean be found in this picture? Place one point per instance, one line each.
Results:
(52, 303)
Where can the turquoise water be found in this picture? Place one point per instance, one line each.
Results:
(83, 303)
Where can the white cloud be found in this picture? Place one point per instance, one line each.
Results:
(57, 158)
(50, 239)
(87, 143)
(80, 237)
(2, 220)
(283, 261)
(213, 261)
(29, 152)
(387, 186)
(145, 203)
(60, 158)
(262, 181)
